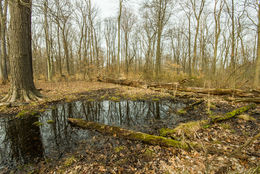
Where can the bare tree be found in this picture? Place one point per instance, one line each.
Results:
(217, 15)
(197, 14)
(128, 22)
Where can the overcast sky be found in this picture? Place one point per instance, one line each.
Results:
(110, 7)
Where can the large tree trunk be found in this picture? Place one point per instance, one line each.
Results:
(22, 85)
(3, 64)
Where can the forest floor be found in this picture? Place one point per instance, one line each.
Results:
(108, 154)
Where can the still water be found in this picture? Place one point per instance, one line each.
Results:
(49, 135)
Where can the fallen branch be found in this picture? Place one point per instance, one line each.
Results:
(129, 134)
(253, 100)
(190, 107)
(236, 152)
(232, 114)
(123, 82)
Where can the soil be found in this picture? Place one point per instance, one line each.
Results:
(108, 154)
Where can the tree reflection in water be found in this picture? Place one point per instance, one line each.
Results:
(21, 141)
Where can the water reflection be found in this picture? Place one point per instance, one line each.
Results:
(21, 141)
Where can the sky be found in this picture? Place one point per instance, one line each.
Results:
(109, 8)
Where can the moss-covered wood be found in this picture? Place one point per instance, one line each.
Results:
(232, 114)
(129, 134)
(188, 129)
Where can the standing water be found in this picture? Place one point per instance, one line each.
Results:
(49, 135)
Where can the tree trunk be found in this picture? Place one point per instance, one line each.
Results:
(47, 41)
(3, 65)
(257, 68)
(119, 33)
(22, 85)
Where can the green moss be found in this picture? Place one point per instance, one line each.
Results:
(37, 123)
(69, 161)
(116, 99)
(103, 97)
(22, 114)
(233, 113)
(153, 139)
(91, 100)
(205, 126)
(128, 134)
(166, 131)
(50, 121)
(25, 113)
(42, 110)
(119, 149)
(191, 127)
(155, 99)
(181, 112)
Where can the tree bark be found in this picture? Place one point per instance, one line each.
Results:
(47, 41)
(119, 34)
(3, 64)
(22, 85)
(257, 68)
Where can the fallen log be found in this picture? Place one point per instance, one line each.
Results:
(253, 100)
(164, 85)
(123, 82)
(234, 92)
(131, 135)
(229, 115)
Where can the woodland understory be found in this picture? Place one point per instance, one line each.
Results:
(200, 53)
(228, 146)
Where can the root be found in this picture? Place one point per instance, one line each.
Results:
(15, 95)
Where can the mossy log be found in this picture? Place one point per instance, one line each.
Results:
(188, 129)
(232, 114)
(129, 134)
